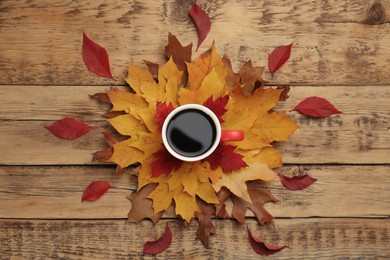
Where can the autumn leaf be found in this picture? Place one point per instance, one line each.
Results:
(217, 106)
(202, 22)
(232, 78)
(316, 107)
(160, 245)
(153, 68)
(162, 111)
(250, 77)
(206, 227)
(225, 157)
(236, 181)
(96, 58)
(95, 190)
(284, 94)
(101, 97)
(261, 247)
(278, 57)
(180, 54)
(142, 205)
(69, 128)
(165, 163)
(297, 182)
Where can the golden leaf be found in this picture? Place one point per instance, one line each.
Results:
(186, 205)
(236, 181)
(127, 124)
(206, 192)
(161, 197)
(125, 101)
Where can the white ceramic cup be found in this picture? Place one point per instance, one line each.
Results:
(219, 134)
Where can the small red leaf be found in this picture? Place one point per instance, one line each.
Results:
(162, 111)
(160, 245)
(95, 190)
(261, 247)
(217, 106)
(164, 163)
(296, 182)
(202, 22)
(225, 157)
(96, 58)
(278, 57)
(316, 107)
(69, 128)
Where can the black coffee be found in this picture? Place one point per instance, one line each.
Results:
(191, 132)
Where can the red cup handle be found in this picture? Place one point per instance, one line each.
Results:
(231, 135)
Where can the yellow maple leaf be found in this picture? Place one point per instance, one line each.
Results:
(186, 205)
(161, 197)
(236, 181)
(127, 124)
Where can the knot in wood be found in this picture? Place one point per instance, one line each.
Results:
(375, 14)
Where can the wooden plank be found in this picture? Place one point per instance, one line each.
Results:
(55, 192)
(335, 43)
(306, 238)
(359, 135)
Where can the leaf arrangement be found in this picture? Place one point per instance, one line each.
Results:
(234, 171)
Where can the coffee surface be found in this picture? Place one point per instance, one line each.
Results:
(191, 132)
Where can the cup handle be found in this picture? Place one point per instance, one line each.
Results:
(231, 135)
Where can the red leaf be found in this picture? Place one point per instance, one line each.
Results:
(69, 128)
(278, 57)
(164, 163)
(225, 157)
(160, 245)
(316, 107)
(217, 106)
(96, 58)
(95, 190)
(202, 22)
(162, 111)
(261, 247)
(296, 182)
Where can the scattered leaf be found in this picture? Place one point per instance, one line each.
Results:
(206, 227)
(261, 247)
(217, 106)
(162, 111)
(296, 182)
(165, 163)
(153, 68)
(278, 57)
(95, 190)
(225, 157)
(142, 205)
(284, 94)
(69, 128)
(316, 107)
(202, 22)
(160, 245)
(96, 58)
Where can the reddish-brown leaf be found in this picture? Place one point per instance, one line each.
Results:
(261, 247)
(180, 54)
(220, 209)
(250, 78)
(225, 157)
(142, 207)
(112, 114)
(296, 182)
(202, 22)
(316, 107)
(165, 163)
(101, 97)
(103, 155)
(217, 106)
(284, 94)
(95, 190)
(162, 111)
(153, 68)
(160, 245)
(278, 57)
(96, 58)
(69, 128)
(206, 227)
(232, 78)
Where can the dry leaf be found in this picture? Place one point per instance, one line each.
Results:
(160, 245)
(206, 227)
(296, 182)
(69, 128)
(261, 247)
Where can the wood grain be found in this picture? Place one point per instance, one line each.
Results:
(334, 42)
(55, 193)
(359, 135)
(96, 239)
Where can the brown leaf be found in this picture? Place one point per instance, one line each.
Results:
(220, 209)
(250, 78)
(101, 97)
(160, 245)
(261, 247)
(206, 227)
(112, 114)
(142, 206)
(153, 68)
(232, 78)
(103, 155)
(284, 94)
(180, 54)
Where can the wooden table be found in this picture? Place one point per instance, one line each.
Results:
(341, 52)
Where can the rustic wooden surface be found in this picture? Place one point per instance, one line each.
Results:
(341, 52)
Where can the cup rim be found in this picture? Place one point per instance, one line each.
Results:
(200, 108)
